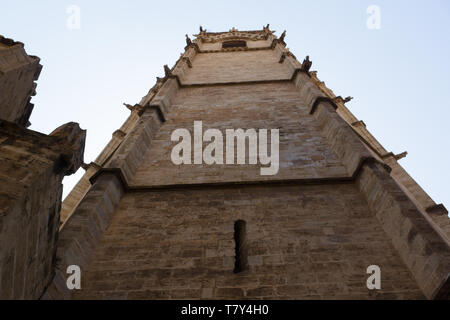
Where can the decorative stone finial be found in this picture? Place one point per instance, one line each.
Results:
(306, 65)
(283, 35)
(167, 71)
(188, 40)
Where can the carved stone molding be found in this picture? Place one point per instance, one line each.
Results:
(233, 34)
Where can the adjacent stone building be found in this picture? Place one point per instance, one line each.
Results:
(141, 227)
(32, 168)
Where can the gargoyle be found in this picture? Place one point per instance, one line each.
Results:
(167, 71)
(306, 65)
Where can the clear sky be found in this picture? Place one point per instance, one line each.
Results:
(398, 74)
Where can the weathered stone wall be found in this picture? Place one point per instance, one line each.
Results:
(30, 196)
(207, 46)
(143, 231)
(83, 229)
(304, 153)
(33, 166)
(310, 241)
(236, 66)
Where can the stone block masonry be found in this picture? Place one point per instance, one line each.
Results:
(32, 168)
(304, 242)
(149, 229)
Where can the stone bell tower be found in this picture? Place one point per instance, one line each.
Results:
(142, 227)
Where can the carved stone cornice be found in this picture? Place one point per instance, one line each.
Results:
(235, 49)
(233, 34)
(363, 162)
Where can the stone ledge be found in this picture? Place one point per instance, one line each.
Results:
(309, 181)
(251, 82)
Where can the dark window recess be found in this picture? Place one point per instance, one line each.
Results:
(240, 240)
(234, 44)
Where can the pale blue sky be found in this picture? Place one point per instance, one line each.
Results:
(398, 74)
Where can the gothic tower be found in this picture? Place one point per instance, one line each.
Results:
(142, 227)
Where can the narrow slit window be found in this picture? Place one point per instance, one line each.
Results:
(240, 240)
(234, 44)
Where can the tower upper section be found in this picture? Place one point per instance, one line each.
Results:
(234, 57)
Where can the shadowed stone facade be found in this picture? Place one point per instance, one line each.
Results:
(33, 166)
